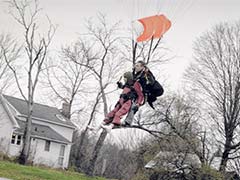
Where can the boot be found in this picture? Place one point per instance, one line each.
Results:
(108, 128)
(96, 128)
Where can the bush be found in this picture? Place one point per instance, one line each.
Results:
(204, 173)
(207, 173)
(141, 175)
(5, 157)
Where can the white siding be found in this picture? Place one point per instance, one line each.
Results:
(14, 149)
(5, 130)
(67, 154)
(49, 158)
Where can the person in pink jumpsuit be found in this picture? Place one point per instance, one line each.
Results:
(132, 91)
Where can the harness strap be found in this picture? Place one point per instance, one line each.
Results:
(131, 95)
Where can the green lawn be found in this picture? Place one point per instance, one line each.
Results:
(19, 172)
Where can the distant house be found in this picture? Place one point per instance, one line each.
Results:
(51, 133)
(173, 162)
(172, 165)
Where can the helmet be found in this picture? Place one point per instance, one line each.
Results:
(128, 75)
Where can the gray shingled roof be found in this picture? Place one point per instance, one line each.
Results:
(42, 131)
(39, 111)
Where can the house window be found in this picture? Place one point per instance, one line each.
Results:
(16, 139)
(47, 145)
(13, 138)
(61, 155)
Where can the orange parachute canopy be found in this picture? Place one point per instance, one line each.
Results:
(154, 27)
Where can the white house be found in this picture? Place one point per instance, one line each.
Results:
(51, 134)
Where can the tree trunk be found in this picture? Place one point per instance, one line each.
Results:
(80, 152)
(224, 161)
(27, 131)
(140, 159)
(97, 148)
(26, 136)
(225, 155)
(99, 144)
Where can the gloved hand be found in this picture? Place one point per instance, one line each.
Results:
(119, 84)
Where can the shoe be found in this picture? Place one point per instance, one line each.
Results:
(108, 128)
(107, 120)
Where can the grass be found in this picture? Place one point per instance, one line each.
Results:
(20, 172)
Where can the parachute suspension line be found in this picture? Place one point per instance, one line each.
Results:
(133, 9)
(168, 7)
(157, 43)
(132, 30)
(181, 8)
(161, 4)
(186, 7)
(149, 52)
(143, 8)
(136, 9)
(176, 8)
(171, 6)
(175, 5)
(135, 16)
(134, 50)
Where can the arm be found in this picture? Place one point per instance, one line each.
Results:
(150, 79)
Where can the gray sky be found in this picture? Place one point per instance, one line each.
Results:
(190, 19)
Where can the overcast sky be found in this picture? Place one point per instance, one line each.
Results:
(190, 19)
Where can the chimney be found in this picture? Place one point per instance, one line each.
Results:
(66, 109)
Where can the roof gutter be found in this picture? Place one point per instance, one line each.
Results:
(9, 113)
(45, 138)
(48, 121)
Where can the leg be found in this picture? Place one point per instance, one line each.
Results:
(109, 117)
(121, 112)
(128, 120)
(117, 118)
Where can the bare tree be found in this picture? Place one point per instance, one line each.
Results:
(99, 55)
(11, 51)
(102, 36)
(67, 80)
(36, 46)
(182, 117)
(107, 40)
(175, 127)
(76, 86)
(215, 78)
